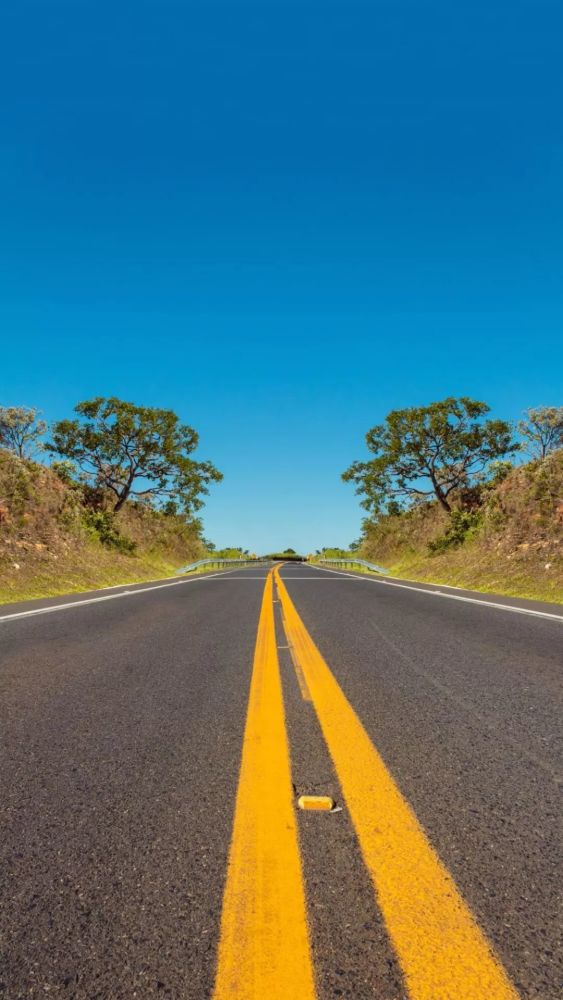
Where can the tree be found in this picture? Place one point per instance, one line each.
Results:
(542, 430)
(135, 452)
(334, 552)
(20, 430)
(428, 452)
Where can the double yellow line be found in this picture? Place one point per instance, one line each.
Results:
(264, 948)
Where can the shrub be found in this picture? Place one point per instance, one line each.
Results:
(16, 486)
(462, 525)
(102, 523)
(66, 471)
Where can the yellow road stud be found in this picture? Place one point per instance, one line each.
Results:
(323, 802)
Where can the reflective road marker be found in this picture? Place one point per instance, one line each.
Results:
(321, 802)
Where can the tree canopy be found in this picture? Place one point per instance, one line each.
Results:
(427, 452)
(20, 430)
(542, 430)
(135, 452)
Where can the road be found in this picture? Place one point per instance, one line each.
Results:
(139, 858)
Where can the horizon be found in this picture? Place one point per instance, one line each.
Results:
(281, 222)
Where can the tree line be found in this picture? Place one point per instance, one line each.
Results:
(435, 452)
(441, 451)
(128, 452)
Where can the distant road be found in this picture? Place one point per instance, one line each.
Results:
(154, 741)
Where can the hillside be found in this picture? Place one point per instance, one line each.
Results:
(57, 536)
(506, 538)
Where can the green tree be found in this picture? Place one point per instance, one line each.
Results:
(426, 452)
(20, 430)
(135, 452)
(542, 430)
(334, 552)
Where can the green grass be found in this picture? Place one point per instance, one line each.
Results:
(97, 569)
(511, 578)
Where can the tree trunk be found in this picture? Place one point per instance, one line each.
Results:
(125, 492)
(444, 503)
(439, 495)
(120, 502)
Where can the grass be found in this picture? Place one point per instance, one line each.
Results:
(509, 543)
(93, 569)
(516, 577)
(56, 537)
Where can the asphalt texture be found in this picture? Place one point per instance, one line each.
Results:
(121, 728)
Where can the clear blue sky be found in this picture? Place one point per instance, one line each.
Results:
(282, 220)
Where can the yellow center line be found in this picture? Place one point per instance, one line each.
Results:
(299, 674)
(296, 664)
(264, 949)
(443, 953)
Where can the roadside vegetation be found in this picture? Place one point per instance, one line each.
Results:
(118, 502)
(229, 552)
(288, 555)
(455, 497)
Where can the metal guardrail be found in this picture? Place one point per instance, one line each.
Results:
(234, 563)
(217, 564)
(349, 563)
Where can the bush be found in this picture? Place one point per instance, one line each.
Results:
(16, 487)
(102, 523)
(462, 525)
(66, 471)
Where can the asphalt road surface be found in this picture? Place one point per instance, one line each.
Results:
(140, 858)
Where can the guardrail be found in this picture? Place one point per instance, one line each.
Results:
(350, 563)
(217, 564)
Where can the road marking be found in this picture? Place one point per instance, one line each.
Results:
(442, 951)
(264, 950)
(440, 593)
(113, 597)
(298, 671)
(305, 693)
(321, 802)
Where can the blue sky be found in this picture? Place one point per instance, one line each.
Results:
(281, 220)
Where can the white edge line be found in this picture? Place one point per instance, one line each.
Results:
(113, 597)
(440, 593)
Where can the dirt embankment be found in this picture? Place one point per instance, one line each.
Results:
(57, 536)
(507, 538)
